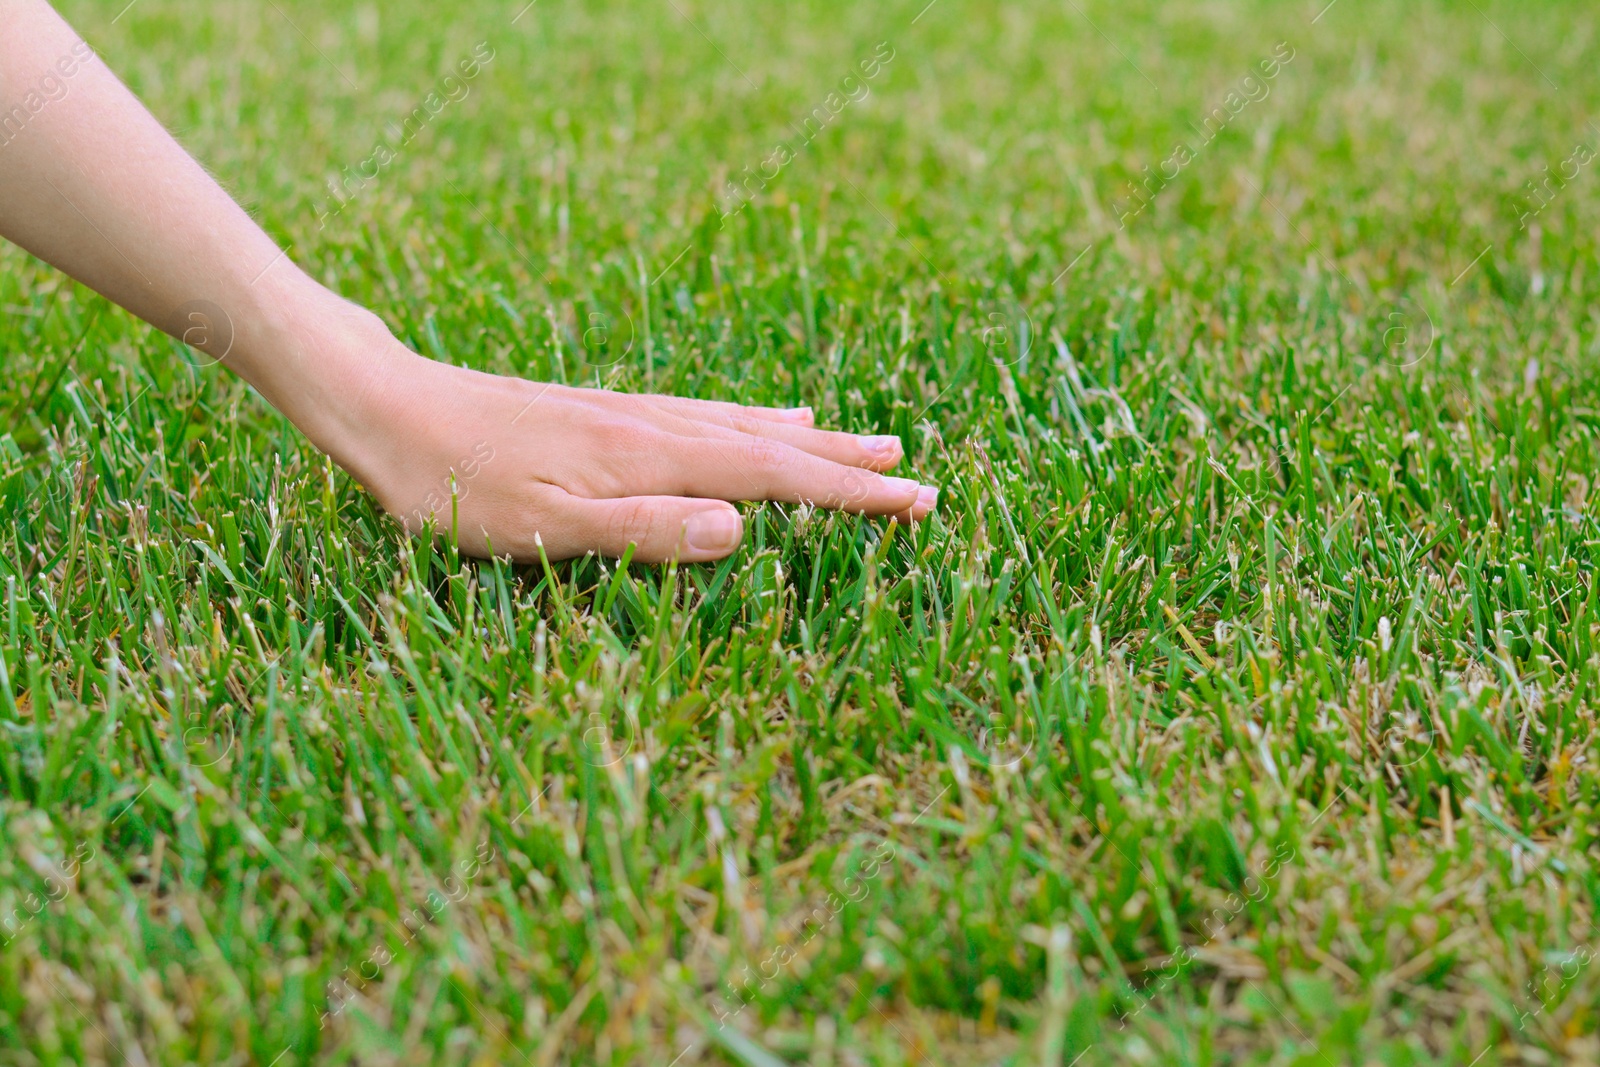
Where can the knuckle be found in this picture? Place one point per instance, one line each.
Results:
(632, 522)
(625, 437)
(626, 455)
(765, 454)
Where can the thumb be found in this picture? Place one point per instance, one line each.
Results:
(663, 527)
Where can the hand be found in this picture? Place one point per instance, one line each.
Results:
(580, 470)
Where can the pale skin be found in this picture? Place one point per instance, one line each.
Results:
(91, 183)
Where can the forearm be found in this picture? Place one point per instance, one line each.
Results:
(92, 183)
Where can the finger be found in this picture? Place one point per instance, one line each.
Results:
(662, 527)
(875, 452)
(759, 468)
(691, 408)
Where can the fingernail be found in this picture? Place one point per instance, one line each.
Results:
(927, 497)
(800, 414)
(903, 485)
(882, 446)
(713, 531)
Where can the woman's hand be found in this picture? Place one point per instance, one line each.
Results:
(516, 464)
(529, 465)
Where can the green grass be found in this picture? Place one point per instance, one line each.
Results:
(1238, 707)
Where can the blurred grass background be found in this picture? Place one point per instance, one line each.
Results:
(1238, 707)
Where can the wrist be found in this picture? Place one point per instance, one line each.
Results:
(318, 358)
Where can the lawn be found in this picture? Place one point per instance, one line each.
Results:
(1237, 707)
